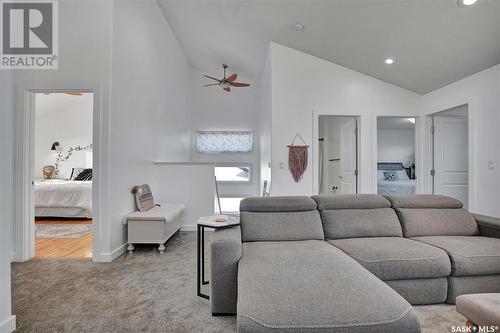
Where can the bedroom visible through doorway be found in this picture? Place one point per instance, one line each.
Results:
(396, 155)
(62, 175)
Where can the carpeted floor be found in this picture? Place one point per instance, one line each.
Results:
(142, 292)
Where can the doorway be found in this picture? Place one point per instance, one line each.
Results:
(62, 165)
(450, 153)
(396, 137)
(337, 154)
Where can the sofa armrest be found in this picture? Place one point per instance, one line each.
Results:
(488, 226)
(225, 253)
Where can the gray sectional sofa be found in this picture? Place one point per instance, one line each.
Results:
(349, 263)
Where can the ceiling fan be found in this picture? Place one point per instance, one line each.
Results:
(227, 82)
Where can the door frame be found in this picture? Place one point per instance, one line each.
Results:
(418, 162)
(315, 145)
(429, 150)
(24, 229)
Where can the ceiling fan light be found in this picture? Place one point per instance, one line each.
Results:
(224, 84)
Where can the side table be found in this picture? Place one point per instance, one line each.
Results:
(207, 222)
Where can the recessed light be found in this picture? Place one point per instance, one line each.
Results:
(298, 27)
(389, 61)
(467, 3)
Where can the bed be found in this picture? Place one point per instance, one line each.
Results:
(63, 198)
(401, 185)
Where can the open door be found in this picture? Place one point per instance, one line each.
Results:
(451, 156)
(348, 157)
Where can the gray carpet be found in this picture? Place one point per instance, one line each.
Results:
(142, 292)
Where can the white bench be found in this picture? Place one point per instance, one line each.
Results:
(154, 226)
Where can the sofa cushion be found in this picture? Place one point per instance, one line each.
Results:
(311, 286)
(470, 255)
(347, 223)
(436, 222)
(351, 201)
(277, 204)
(280, 226)
(395, 258)
(423, 201)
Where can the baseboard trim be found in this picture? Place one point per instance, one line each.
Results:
(110, 256)
(8, 325)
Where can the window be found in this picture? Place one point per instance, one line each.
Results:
(233, 173)
(224, 141)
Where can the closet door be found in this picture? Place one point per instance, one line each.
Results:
(451, 157)
(348, 156)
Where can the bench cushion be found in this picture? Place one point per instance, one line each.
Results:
(164, 212)
(395, 258)
(311, 286)
(470, 255)
(437, 222)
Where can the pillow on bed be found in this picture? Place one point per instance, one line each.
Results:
(402, 174)
(390, 176)
(85, 175)
(75, 172)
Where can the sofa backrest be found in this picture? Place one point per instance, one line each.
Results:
(357, 215)
(432, 215)
(280, 219)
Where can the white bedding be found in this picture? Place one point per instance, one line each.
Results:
(400, 186)
(63, 194)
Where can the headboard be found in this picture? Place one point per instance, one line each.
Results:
(393, 166)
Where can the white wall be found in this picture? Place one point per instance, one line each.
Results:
(481, 92)
(7, 321)
(70, 124)
(150, 104)
(396, 145)
(265, 111)
(302, 83)
(215, 109)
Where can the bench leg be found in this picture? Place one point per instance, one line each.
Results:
(161, 248)
(130, 248)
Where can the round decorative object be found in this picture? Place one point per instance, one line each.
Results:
(48, 171)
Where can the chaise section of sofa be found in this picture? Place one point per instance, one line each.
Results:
(441, 222)
(291, 280)
(366, 228)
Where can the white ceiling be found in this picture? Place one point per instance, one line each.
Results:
(395, 123)
(59, 102)
(433, 42)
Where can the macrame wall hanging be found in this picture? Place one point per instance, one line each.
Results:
(297, 158)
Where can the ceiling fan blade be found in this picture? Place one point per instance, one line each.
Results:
(74, 93)
(227, 89)
(232, 78)
(239, 84)
(211, 84)
(210, 77)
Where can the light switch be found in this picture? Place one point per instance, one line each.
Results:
(491, 165)
(282, 165)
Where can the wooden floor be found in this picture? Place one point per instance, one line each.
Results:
(64, 248)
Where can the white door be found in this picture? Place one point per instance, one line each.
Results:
(451, 157)
(348, 133)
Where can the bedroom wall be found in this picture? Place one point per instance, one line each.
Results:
(396, 145)
(302, 83)
(215, 109)
(150, 105)
(481, 92)
(68, 120)
(265, 106)
(7, 320)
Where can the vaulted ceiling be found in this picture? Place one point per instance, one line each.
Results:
(433, 42)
